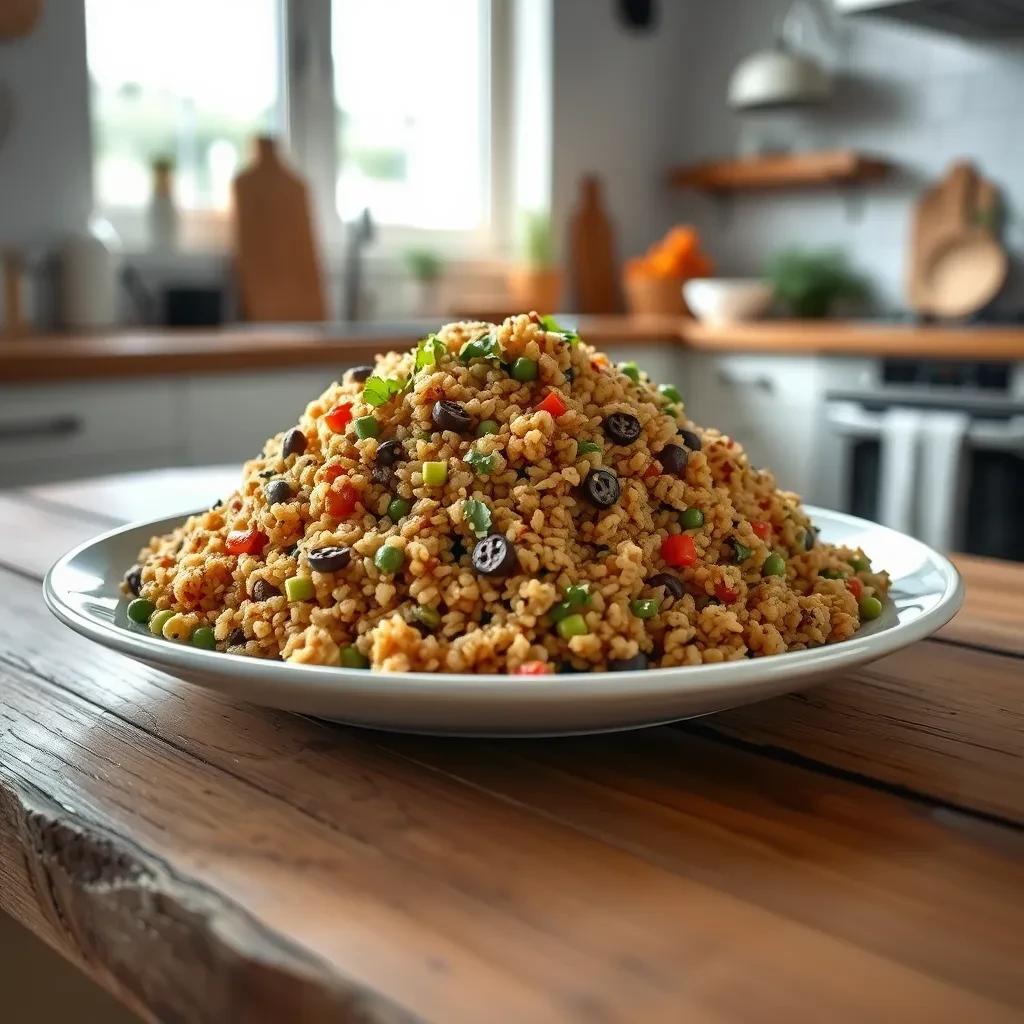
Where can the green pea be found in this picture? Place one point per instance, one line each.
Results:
(524, 369)
(352, 657)
(691, 518)
(578, 595)
(670, 392)
(644, 608)
(203, 637)
(397, 508)
(158, 620)
(870, 608)
(572, 625)
(562, 610)
(435, 474)
(140, 610)
(631, 370)
(742, 552)
(860, 564)
(429, 616)
(366, 426)
(485, 427)
(774, 565)
(389, 558)
(587, 447)
(299, 588)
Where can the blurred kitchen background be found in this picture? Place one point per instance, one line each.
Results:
(208, 208)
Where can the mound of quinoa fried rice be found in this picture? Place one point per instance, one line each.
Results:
(502, 498)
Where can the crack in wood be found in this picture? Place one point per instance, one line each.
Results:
(167, 946)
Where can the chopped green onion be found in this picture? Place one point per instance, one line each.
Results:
(644, 607)
(578, 595)
(631, 370)
(428, 616)
(352, 657)
(435, 474)
(299, 588)
(670, 391)
(366, 426)
(587, 447)
(573, 625)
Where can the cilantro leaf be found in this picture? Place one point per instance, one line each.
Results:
(482, 464)
(587, 447)
(430, 351)
(478, 515)
(484, 347)
(378, 390)
(551, 324)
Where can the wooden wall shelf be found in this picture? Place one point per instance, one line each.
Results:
(789, 170)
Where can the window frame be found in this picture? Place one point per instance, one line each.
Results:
(307, 129)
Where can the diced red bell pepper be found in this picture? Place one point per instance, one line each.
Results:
(532, 668)
(339, 417)
(725, 593)
(245, 542)
(653, 470)
(761, 528)
(856, 587)
(679, 549)
(552, 403)
(332, 472)
(342, 500)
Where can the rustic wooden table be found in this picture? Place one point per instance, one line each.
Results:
(854, 853)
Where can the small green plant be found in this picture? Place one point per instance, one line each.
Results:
(538, 240)
(423, 264)
(808, 282)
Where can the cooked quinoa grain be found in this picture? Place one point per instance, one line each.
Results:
(499, 520)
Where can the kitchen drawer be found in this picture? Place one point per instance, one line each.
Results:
(64, 422)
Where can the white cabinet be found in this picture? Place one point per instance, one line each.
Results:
(52, 431)
(770, 404)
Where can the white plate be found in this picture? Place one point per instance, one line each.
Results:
(82, 591)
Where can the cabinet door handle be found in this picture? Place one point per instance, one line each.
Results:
(51, 426)
(760, 383)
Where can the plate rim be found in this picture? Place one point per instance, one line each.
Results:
(723, 677)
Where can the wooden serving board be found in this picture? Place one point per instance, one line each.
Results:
(277, 262)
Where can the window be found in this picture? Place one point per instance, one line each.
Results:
(411, 115)
(398, 106)
(187, 80)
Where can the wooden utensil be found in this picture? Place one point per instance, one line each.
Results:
(277, 262)
(593, 278)
(956, 265)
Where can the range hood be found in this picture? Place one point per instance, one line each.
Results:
(984, 19)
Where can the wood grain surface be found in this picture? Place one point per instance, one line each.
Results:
(161, 351)
(858, 849)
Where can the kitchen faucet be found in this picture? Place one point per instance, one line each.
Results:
(358, 234)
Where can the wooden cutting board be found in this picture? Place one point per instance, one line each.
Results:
(593, 273)
(276, 257)
(956, 264)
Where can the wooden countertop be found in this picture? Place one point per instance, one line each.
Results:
(858, 849)
(140, 352)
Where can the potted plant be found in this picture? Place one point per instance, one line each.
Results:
(536, 283)
(809, 282)
(425, 267)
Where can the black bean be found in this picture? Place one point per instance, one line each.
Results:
(383, 475)
(672, 584)
(330, 559)
(361, 373)
(673, 459)
(236, 637)
(495, 556)
(690, 439)
(634, 664)
(264, 591)
(451, 416)
(602, 487)
(278, 490)
(570, 375)
(622, 428)
(389, 452)
(292, 551)
(294, 443)
(810, 538)
(133, 577)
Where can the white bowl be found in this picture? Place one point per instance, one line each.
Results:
(727, 300)
(82, 590)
